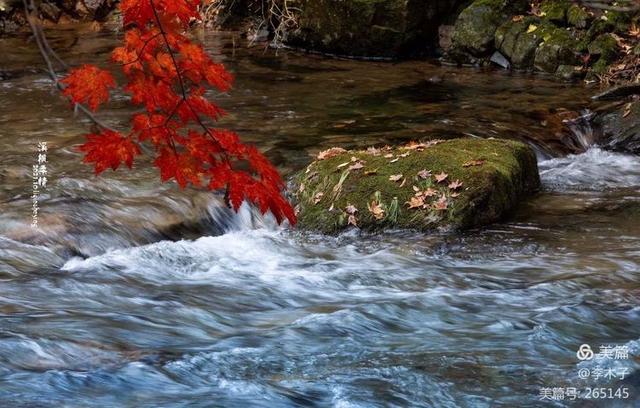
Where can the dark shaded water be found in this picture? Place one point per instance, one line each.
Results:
(105, 306)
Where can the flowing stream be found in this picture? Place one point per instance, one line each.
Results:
(135, 294)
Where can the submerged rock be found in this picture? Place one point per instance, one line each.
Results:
(454, 184)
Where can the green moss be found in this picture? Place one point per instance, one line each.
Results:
(569, 72)
(475, 28)
(558, 48)
(489, 190)
(555, 10)
(578, 17)
(605, 45)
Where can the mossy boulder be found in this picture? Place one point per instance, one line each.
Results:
(476, 26)
(403, 187)
(605, 48)
(370, 28)
(569, 72)
(578, 17)
(555, 10)
(518, 41)
(558, 48)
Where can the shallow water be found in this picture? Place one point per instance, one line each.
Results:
(135, 294)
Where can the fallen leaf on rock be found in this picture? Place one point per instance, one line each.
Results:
(454, 185)
(318, 197)
(424, 174)
(441, 177)
(441, 204)
(356, 166)
(329, 153)
(430, 192)
(415, 146)
(415, 202)
(376, 210)
(373, 151)
(472, 163)
(395, 177)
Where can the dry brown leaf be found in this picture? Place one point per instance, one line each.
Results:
(627, 110)
(388, 155)
(356, 166)
(352, 220)
(424, 174)
(370, 172)
(329, 153)
(441, 177)
(351, 209)
(373, 151)
(430, 192)
(441, 204)
(454, 185)
(376, 210)
(318, 197)
(415, 202)
(404, 154)
(471, 163)
(395, 177)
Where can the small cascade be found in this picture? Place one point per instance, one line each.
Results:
(582, 134)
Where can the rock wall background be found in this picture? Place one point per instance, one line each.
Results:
(54, 12)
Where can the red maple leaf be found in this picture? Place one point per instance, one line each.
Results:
(109, 149)
(88, 84)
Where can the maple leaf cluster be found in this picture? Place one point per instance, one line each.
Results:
(167, 75)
